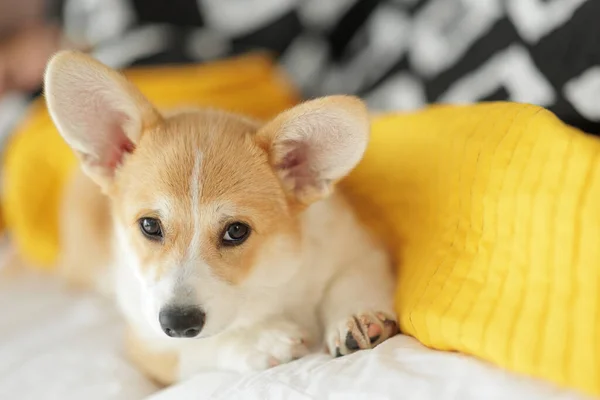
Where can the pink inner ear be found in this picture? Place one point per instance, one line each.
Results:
(119, 145)
(296, 165)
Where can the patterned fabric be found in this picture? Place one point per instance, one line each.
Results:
(398, 54)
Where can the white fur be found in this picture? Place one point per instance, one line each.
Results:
(195, 193)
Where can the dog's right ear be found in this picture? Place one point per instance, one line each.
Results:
(97, 111)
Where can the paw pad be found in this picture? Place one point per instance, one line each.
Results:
(362, 331)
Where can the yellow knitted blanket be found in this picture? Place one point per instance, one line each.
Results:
(492, 211)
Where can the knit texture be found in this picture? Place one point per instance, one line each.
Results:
(493, 214)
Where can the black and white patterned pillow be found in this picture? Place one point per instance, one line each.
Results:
(398, 54)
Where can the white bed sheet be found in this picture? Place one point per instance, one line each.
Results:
(60, 345)
(400, 368)
(55, 344)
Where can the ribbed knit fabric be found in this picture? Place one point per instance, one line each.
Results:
(493, 212)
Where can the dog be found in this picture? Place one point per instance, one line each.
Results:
(221, 238)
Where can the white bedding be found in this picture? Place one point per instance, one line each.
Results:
(60, 345)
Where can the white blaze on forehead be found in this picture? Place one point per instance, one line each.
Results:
(195, 194)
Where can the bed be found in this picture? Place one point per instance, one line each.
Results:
(59, 344)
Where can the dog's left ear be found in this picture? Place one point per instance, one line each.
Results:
(315, 144)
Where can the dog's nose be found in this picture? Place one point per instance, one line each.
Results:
(179, 322)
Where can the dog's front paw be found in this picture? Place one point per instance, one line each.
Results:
(266, 346)
(360, 331)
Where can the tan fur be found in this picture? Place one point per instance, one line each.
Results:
(85, 232)
(160, 366)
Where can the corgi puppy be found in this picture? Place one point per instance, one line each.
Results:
(220, 237)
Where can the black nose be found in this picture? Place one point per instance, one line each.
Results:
(181, 321)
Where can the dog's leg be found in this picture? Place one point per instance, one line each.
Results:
(247, 349)
(159, 365)
(357, 310)
(255, 348)
(265, 345)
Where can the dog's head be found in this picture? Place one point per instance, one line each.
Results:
(205, 203)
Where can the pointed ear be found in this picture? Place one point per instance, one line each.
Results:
(97, 111)
(315, 144)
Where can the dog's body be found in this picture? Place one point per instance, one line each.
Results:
(217, 230)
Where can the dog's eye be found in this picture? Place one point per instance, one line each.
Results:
(236, 233)
(151, 228)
